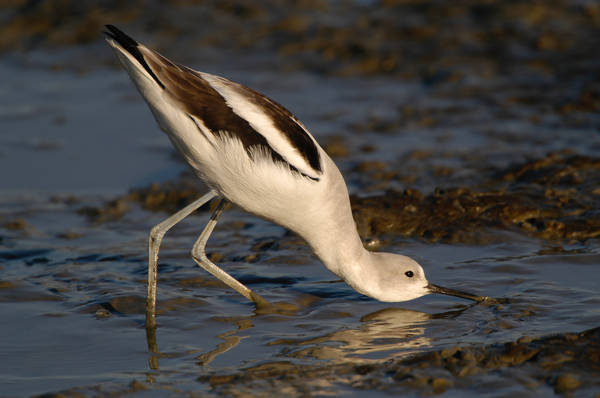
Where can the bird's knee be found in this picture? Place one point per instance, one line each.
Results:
(156, 234)
(198, 255)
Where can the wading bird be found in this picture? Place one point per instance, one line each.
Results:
(252, 152)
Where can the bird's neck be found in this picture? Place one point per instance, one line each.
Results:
(335, 240)
(329, 228)
(340, 250)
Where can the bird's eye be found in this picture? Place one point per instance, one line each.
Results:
(410, 274)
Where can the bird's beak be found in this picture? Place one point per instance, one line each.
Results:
(457, 293)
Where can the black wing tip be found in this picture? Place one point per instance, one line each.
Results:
(130, 45)
(123, 39)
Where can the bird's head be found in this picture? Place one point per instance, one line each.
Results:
(394, 278)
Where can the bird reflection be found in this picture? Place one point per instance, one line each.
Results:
(387, 333)
(390, 332)
(230, 340)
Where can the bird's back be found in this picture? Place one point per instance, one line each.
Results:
(247, 147)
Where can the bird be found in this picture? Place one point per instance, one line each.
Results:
(252, 152)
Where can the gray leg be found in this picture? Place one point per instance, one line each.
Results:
(199, 256)
(156, 235)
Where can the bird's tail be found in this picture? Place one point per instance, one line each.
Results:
(131, 54)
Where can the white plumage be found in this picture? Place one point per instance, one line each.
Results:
(262, 123)
(253, 152)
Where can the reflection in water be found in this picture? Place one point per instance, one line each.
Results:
(387, 330)
(387, 333)
(229, 341)
(152, 347)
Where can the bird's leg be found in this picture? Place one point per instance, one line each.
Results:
(156, 235)
(199, 255)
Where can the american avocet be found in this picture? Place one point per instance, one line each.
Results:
(253, 152)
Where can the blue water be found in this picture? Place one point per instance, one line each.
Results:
(72, 309)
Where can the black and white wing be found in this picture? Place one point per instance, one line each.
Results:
(227, 108)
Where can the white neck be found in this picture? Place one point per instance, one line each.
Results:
(329, 228)
(339, 247)
(326, 223)
(333, 237)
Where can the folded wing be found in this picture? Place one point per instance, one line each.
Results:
(227, 108)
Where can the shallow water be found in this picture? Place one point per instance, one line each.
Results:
(72, 288)
(73, 308)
